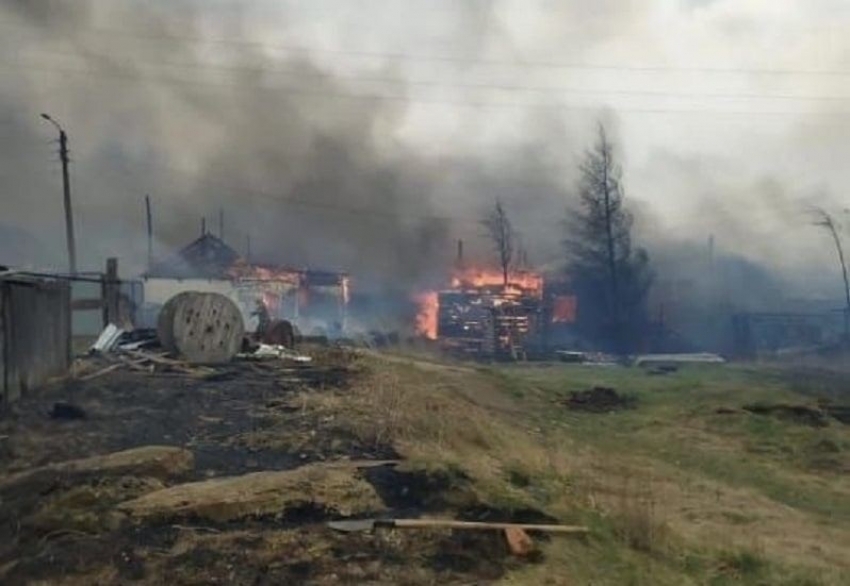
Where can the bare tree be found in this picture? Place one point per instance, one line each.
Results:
(614, 278)
(501, 232)
(825, 220)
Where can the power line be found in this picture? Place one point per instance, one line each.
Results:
(374, 214)
(474, 104)
(298, 73)
(336, 208)
(398, 56)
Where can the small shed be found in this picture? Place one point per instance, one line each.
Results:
(35, 333)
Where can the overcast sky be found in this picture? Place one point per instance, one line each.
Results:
(368, 135)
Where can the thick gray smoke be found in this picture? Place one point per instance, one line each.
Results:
(369, 136)
(290, 164)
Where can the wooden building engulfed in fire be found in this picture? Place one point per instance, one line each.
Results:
(313, 300)
(481, 316)
(491, 314)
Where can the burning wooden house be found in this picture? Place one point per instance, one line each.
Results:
(313, 300)
(479, 315)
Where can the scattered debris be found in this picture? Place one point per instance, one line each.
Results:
(663, 369)
(672, 359)
(802, 414)
(588, 358)
(108, 339)
(138, 339)
(277, 351)
(67, 411)
(101, 372)
(599, 400)
(571, 357)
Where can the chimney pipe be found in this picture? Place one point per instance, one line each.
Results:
(460, 252)
(203, 226)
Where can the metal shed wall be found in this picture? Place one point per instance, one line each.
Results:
(35, 334)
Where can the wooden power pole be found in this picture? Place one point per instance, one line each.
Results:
(69, 217)
(150, 230)
(66, 187)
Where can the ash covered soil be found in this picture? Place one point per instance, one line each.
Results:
(225, 479)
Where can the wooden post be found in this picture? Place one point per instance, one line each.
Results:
(111, 291)
(150, 230)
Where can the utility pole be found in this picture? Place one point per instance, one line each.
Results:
(248, 248)
(66, 184)
(150, 230)
(203, 226)
(221, 223)
(824, 220)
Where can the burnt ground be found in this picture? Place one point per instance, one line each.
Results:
(63, 528)
(599, 400)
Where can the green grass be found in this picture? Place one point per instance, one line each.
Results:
(676, 421)
(613, 471)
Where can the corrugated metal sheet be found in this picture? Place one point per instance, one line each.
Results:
(35, 333)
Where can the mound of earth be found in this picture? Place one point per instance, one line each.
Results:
(802, 414)
(598, 400)
(332, 490)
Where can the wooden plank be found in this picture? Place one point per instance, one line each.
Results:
(102, 371)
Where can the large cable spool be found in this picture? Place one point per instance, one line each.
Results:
(204, 328)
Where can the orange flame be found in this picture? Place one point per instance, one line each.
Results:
(519, 281)
(426, 318)
(244, 270)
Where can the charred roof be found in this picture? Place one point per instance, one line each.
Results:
(208, 257)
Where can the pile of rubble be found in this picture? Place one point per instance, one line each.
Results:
(141, 351)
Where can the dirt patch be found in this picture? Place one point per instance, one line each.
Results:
(800, 414)
(599, 400)
(416, 492)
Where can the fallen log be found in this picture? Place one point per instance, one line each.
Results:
(102, 371)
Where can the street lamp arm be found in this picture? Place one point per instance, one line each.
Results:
(53, 122)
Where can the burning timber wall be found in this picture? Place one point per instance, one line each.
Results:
(35, 333)
(480, 315)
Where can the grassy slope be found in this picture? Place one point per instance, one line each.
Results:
(773, 491)
(675, 492)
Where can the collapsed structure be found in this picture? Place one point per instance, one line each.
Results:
(312, 300)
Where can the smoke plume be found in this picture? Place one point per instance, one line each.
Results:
(368, 138)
